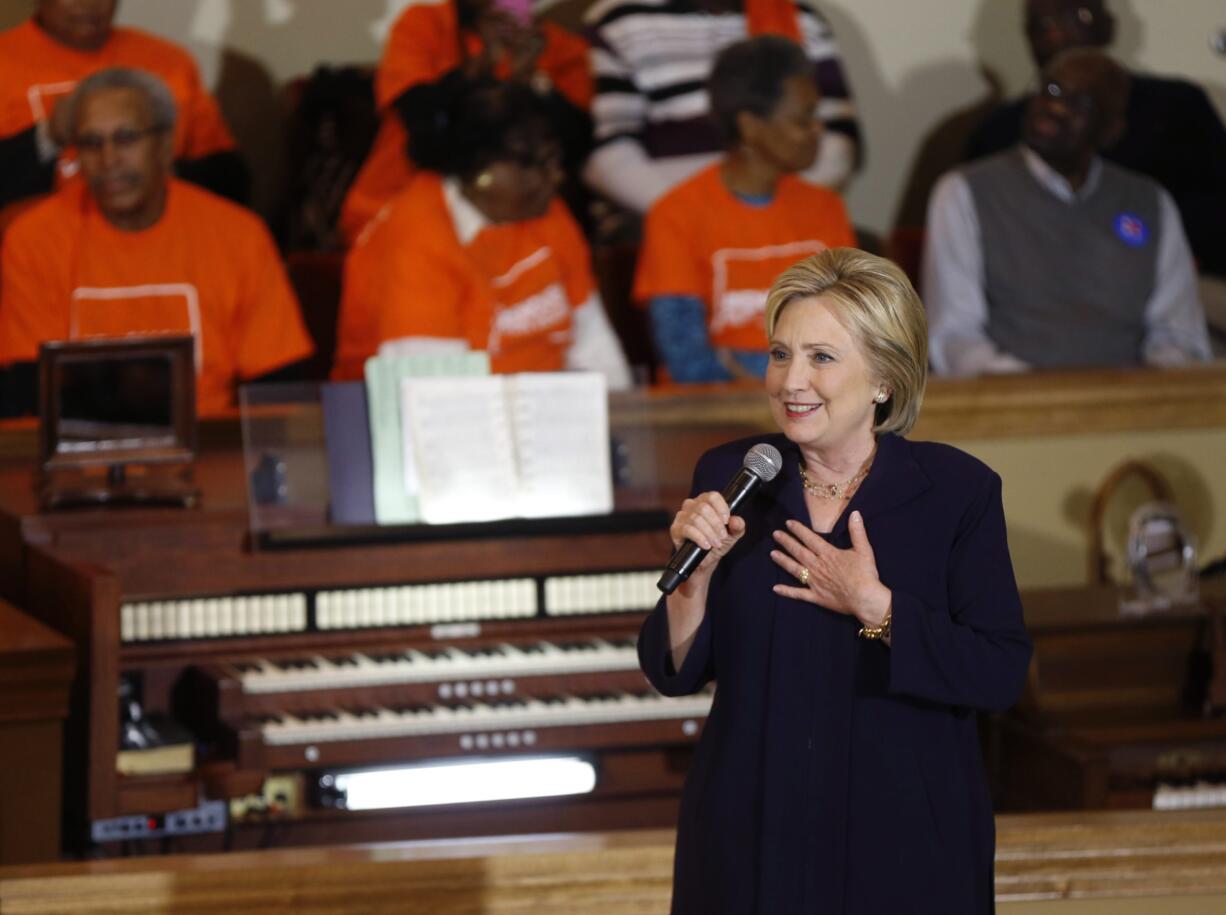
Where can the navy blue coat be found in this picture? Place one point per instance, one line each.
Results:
(836, 774)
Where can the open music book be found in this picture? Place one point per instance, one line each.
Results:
(506, 446)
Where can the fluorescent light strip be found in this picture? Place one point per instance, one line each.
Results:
(466, 782)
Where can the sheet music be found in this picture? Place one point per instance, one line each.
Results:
(560, 425)
(458, 433)
(395, 478)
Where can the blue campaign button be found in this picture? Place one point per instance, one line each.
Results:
(1131, 229)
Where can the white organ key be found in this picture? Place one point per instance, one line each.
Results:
(255, 614)
(414, 609)
(246, 614)
(486, 597)
(127, 623)
(241, 624)
(429, 604)
(225, 616)
(373, 610)
(465, 603)
(298, 613)
(156, 626)
(396, 606)
(279, 613)
(141, 612)
(212, 627)
(196, 612)
(458, 604)
(351, 612)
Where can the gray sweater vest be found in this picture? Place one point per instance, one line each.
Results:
(1066, 283)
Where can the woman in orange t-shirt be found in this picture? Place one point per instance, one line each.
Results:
(479, 37)
(477, 248)
(713, 245)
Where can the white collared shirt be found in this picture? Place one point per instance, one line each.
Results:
(954, 277)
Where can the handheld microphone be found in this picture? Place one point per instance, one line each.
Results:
(762, 463)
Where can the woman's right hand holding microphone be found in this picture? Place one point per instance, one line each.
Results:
(708, 522)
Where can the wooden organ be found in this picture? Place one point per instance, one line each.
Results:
(1114, 712)
(287, 664)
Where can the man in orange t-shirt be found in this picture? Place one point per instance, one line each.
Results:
(43, 59)
(714, 245)
(433, 37)
(131, 250)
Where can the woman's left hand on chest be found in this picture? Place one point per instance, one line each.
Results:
(844, 581)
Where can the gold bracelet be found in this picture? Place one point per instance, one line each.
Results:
(882, 631)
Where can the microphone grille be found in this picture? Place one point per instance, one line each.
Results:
(763, 460)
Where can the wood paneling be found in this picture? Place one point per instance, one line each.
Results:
(36, 668)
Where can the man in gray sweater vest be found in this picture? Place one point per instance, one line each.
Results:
(1047, 256)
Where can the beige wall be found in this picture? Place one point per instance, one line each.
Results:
(1050, 482)
(912, 65)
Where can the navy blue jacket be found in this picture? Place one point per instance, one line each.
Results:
(836, 774)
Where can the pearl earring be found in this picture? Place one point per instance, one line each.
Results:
(484, 180)
(881, 397)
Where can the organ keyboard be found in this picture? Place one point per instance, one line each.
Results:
(423, 666)
(288, 664)
(1113, 712)
(494, 714)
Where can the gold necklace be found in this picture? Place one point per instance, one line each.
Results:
(832, 491)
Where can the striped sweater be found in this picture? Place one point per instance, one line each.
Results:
(651, 60)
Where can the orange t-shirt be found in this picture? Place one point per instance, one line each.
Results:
(37, 72)
(424, 269)
(424, 44)
(207, 267)
(700, 240)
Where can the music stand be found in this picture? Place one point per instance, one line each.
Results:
(118, 421)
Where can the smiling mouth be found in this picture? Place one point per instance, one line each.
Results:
(801, 410)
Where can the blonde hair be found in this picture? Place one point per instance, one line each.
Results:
(875, 301)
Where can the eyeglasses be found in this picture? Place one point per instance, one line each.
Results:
(1082, 102)
(122, 139)
(1081, 17)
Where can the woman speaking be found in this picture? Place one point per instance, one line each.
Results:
(854, 616)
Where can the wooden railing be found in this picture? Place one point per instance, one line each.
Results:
(1161, 862)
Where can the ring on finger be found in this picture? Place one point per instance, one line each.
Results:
(803, 575)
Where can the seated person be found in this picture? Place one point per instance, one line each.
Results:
(478, 248)
(1048, 256)
(1173, 134)
(479, 37)
(651, 62)
(713, 245)
(132, 250)
(41, 61)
